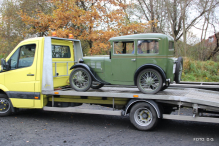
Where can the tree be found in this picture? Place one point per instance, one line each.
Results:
(12, 28)
(91, 21)
(176, 17)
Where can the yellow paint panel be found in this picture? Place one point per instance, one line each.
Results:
(117, 101)
(37, 104)
(2, 78)
(22, 103)
(61, 68)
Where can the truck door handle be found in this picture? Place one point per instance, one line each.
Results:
(30, 74)
(133, 59)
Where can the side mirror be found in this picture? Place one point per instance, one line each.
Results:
(5, 65)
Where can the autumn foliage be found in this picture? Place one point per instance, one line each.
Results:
(92, 21)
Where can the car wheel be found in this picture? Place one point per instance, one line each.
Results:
(5, 105)
(143, 116)
(80, 79)
(96, 85)
(179, 69)
(149, 81)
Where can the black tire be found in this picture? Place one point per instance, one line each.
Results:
(5, 105)
(149, 82)
(143, 116)
(80, 79)
(165, 87)
(96, 85)
(179, 69)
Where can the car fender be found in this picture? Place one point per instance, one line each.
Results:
(153, 66)
(151, 102)
(85, 66)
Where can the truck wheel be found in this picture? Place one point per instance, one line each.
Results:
(149, 81)
(5, 105)
(179, 69)
(96, 85)
(80, 79)
(143, 116)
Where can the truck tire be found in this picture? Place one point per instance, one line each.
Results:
(149, 81)
(96, 85)
(80, 79)
(143, 116)
(5, 105)
(179, 69)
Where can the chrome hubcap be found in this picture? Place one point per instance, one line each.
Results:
(143, 116)
(4, 105)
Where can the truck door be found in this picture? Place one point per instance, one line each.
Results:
(20, 80)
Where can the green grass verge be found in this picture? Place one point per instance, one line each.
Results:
(200, 71)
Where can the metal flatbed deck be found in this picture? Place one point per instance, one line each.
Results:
(188, 95)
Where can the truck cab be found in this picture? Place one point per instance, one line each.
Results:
(22, 71)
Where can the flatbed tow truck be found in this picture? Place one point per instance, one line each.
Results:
(144, 110)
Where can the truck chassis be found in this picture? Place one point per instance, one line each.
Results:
(200, 101)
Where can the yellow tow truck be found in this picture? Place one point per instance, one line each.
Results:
(36, 75)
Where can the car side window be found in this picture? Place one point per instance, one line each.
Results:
(26, 55)
(124, 47)
(171, 46)
(148, 46)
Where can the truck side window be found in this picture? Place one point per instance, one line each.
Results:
(14, 59)
(23, 56)
(60, 51)
(26, 55)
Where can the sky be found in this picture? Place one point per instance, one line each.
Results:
(195, 31)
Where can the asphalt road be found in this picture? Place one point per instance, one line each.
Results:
(37, 127)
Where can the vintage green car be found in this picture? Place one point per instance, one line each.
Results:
(144, 60)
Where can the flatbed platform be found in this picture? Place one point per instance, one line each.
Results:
(188, 95)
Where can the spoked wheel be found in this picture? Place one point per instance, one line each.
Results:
(179, 69)
(96, 85)
(143, 116)
(80, 79)
(5, 106)
(149, 81)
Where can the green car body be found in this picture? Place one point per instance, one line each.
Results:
(129, 56)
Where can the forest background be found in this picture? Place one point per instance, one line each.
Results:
(95, 21)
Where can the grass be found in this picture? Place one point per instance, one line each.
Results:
(200, 71)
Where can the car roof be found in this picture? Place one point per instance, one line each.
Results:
(143, 36)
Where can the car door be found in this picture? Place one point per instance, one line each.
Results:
(124, 61)
(20, 80)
